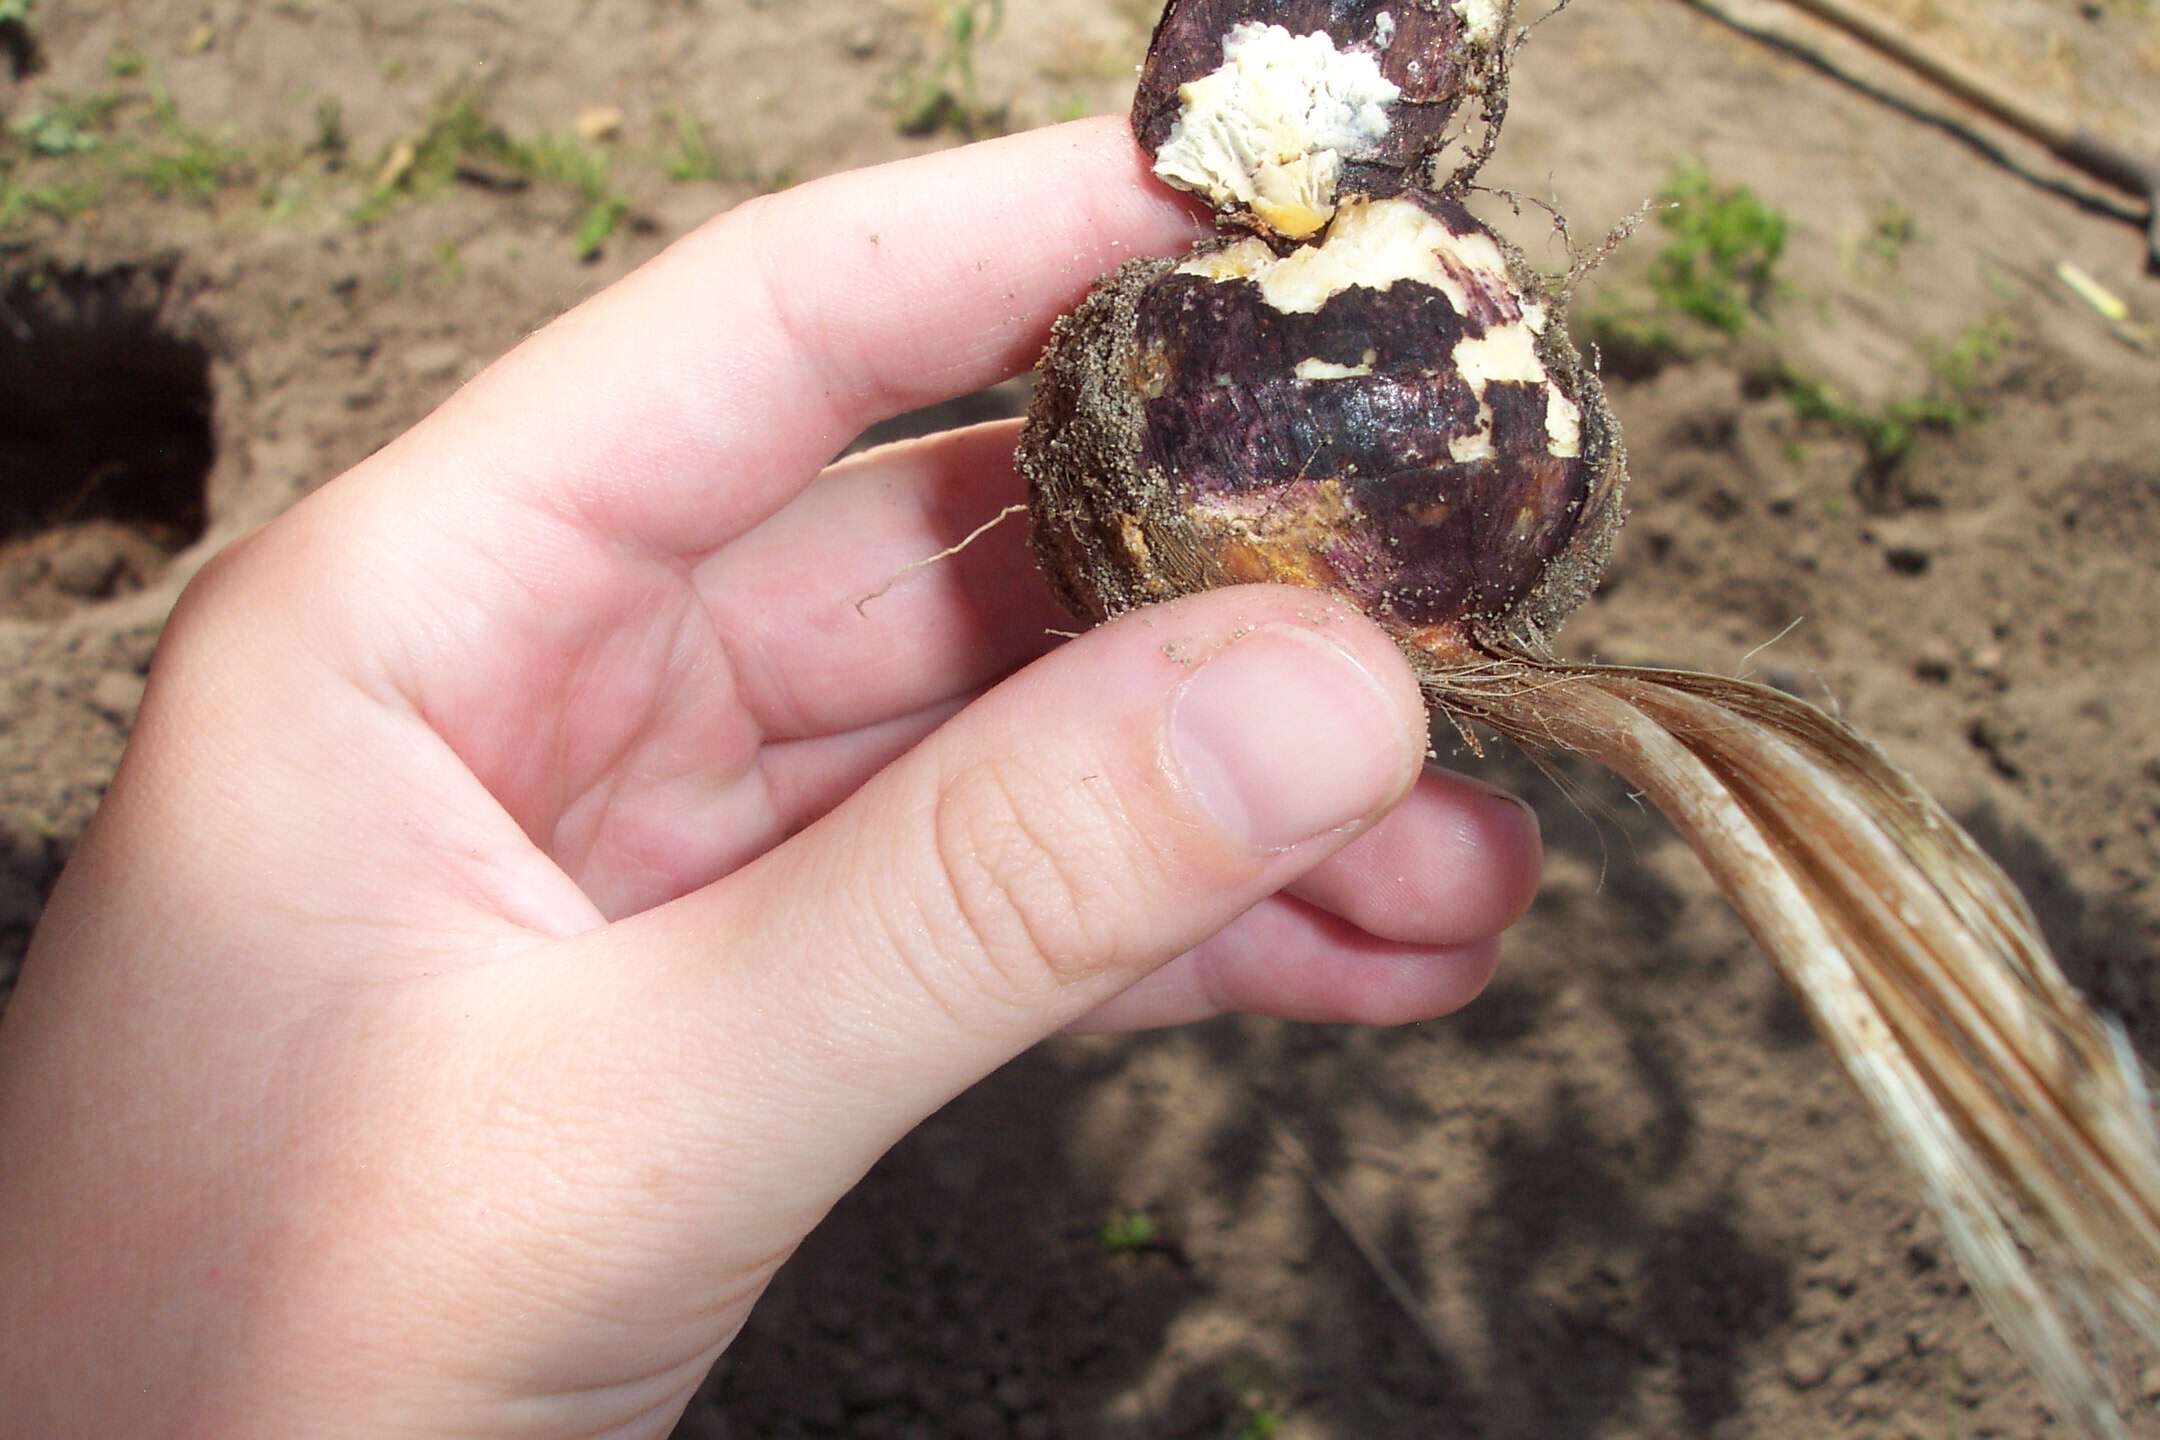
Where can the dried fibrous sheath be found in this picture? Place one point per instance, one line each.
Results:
(1358, 387)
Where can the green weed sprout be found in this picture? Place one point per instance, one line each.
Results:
(64, 126)
(1128, 1232)
(1720, 263)
(1952, 399)
(460, 133)
(941, 93)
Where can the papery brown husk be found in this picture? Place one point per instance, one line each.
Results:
(2026, 1116)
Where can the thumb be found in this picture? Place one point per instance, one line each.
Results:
(1087, 821)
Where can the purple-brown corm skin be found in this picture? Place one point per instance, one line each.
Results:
(1427, 56)
(1173, 446)
(1437, 540)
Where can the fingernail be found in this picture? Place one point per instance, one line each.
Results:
(1284, 736)
(1506, 797)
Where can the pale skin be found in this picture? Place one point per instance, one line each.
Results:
(535, 892)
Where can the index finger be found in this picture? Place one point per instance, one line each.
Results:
(688, 402)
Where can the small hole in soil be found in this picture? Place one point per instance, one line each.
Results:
(1905, 560)
(106, 436)
(21, 49)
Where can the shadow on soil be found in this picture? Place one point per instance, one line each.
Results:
(29, 864)
(2105, 948)
(964, 1289)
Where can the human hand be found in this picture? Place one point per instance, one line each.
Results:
(535, 892)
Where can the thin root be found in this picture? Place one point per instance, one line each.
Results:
(863, 605)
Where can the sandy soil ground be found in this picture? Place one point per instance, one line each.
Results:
(1628, 1188)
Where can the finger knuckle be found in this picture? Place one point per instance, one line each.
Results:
(211, 588)
(1030, 876)
(195, 636)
